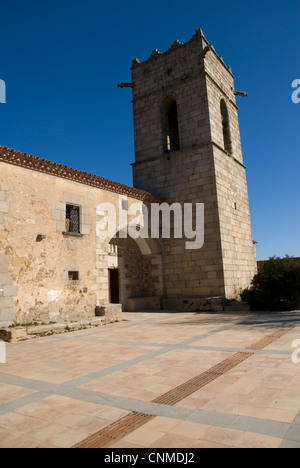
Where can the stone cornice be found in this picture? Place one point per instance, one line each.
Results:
(34, 163)
(169, 155)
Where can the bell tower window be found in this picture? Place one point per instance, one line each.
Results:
(170, 126)
(226, 127)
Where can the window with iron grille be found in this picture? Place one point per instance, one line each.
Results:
(73, 219)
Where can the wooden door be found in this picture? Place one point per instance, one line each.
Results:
(114, 286)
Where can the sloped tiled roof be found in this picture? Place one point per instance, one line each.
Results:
(34, 163)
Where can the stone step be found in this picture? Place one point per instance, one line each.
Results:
(143, 304)
(237, 307)
(14, 334)
(194, 304)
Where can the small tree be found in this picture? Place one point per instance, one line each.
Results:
(276, 286)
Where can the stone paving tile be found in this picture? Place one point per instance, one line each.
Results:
(61, 426)
(289, 444)
(79, 358)
(246, 391)
(136, 361)
(293, 433)
(171, 440)
(11, 392)
(123, 444)
(12, 440)
(285, 342)
(58, 435)
(275, 414)
(250, 440)
(139, 383)
(42, 421)
(188, 433)
(19, 423)
(144, 437)
(239, 337)
(176, 433)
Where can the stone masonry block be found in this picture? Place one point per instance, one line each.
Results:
(60, 206)
(85, 229)
(7, 315)
(73, 198)
(6, 279)
(13, 334)
(57, 215)
(61, 226)
(88, 220)
(4, 207)
(6, 302)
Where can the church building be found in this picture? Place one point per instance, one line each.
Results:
(60, 262)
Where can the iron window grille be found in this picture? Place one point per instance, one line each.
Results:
(73, 219)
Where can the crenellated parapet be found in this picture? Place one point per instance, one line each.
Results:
(198, 35)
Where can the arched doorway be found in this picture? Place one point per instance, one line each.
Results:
(135, 272)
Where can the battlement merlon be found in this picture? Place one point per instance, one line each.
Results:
(193, 58)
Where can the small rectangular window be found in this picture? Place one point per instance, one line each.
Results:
(73, 219)
(73, 275)
(124, 205)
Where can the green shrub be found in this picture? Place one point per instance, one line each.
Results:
(276, 286)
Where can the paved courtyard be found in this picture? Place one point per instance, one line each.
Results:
(156, 380)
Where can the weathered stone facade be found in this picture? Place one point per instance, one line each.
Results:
(188, 150)
(37, 255)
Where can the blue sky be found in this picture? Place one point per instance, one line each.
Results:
(62, 61)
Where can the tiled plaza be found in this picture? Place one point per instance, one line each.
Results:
(59, 391)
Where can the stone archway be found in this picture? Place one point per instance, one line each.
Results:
(140, 271)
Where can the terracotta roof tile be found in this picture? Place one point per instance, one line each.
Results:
(34, 163)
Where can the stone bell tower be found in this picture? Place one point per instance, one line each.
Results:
(188, 150)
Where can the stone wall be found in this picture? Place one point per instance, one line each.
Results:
(188, 177)
(40, 267)
(8, 290)
(37, 253)
(238, 250)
